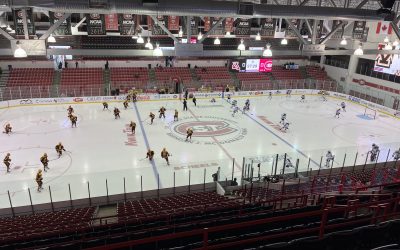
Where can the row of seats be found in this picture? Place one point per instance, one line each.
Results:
(30, 77)
(316, 73)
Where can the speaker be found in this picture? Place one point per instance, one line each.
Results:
(150, 2)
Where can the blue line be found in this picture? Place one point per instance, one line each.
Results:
(146, 141)
(283, 140)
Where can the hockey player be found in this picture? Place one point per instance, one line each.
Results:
(247, 104)
(396, 155)
(212, 100)
(39, 180)
(343, 105)
(125, 104)
(229, 98)
(7, 162)
(288, 93)
(189, 134)
(235, 110)
(303, 98)
(7, 128)
(134, 97)
(165, 155)
(288, 164)
(73, 120)
(270, 95)
(194, 101)
(285, 126)
(283, 118)
(234, 103)
(184, 105)
(152, 116)
(337, 115)
(162, 112)
(70, 110)
(116, 113)
(176, 115)
(150, 154)
(329, 157)
(59, 149)
(132, 125)
(105, 105)
(374, 152)
(45, 161)
(323, 95)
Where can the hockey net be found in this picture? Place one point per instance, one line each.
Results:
(369, 112)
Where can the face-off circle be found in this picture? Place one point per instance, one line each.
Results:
(206, 128)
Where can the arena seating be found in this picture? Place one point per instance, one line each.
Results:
(82, 82)
(248, 85)
(280, 73)
(164, 76)
(214, 77)
(127, 78)
(316, 73)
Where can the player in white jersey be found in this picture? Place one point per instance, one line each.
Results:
(235, 110)
(270, 95)
(396, 155)
(283, 118)
(343, 105)
(329, 157)
(337, 115)
(288, 93)
(285, 126)
(374, 152)
(303, 98)
(234, 103)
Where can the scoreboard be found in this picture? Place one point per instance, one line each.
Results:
(250, 65)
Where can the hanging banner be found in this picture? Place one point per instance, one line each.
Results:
(95, 24)
(111, 21)
(157, 30)
(267, 27)
(207, 23)
(19, 22)
(127, 24)
(358, 29)
(173, 23)
(243, 27)
(65, 28)
(219, 30)
(339, 32)
(228, 25)
(149, 23)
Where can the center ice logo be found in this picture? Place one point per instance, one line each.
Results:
(206, 128)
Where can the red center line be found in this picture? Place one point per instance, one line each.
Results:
(237, 165)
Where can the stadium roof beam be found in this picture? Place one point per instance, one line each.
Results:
(188, 28)
(211, 30)
(303, 3)
(333, 32)
(165, 29)
(296, 31)
(211, 8)
(55, 26)
(6, 35)
(360, 5)
(395, 29)
(25, 24)
(314, 32)
(333, 3)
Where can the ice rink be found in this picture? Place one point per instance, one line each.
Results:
(103, 148)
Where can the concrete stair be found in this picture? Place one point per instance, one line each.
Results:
(107, 82)
(56, 84)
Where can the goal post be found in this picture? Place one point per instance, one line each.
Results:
(370, 112)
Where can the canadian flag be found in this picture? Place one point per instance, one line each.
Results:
(383, 28)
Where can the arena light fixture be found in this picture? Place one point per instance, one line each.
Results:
(267, 51)
(241, 45)
(51, 39)
(228, 34)
(217, 41)
(388, 46)
(396, 43)
(8, 28)
(343, 42)
(19, 52)
(258, 36)
(359, 51)
(180, 33)
(140, 39)
(386, 40)
(199, 36)
(284, 41)
(135, 36)
(157, 51)
(148, 44)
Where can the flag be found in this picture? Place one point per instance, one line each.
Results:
(383, 28)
